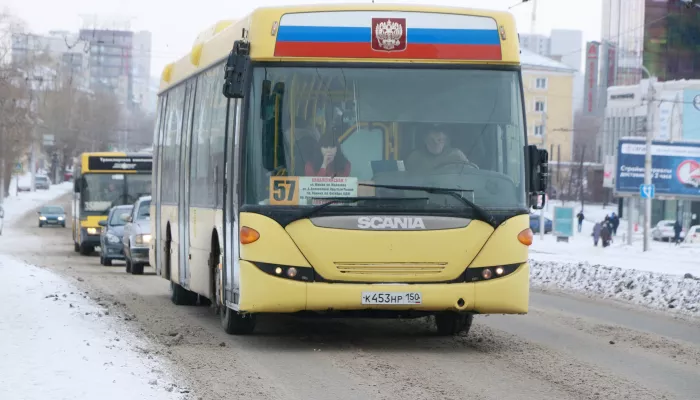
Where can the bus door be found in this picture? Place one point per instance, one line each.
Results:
(184, 184)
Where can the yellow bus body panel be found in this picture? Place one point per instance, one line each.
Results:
(260, 27)
(389, 256)
(274, 246)
(264, 293)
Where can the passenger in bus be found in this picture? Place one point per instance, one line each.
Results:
(435, 152)
(330, 161)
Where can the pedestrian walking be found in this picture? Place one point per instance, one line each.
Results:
(596, 233)
(677, 229)
(606, 232)
(615, 221)
(580, 220)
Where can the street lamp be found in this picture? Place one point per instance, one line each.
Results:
(647, 159)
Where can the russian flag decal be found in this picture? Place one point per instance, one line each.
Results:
(403, 35)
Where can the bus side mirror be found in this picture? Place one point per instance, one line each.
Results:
(538, 172)
(236, 71)
(272, 140)
(76, 184)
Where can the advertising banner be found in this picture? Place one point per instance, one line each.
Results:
(691, 114)
(563, 222)
(590, 89)
(675, 168)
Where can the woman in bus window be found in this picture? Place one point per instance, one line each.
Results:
(330, 161)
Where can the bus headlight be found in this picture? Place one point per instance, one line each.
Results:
(91, 231)
(143, 239)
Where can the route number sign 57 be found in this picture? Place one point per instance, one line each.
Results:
(284, 190)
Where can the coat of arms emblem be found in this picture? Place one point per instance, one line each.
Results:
(389, 34)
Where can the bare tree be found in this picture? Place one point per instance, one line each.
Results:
(586, 131)
(15, 107)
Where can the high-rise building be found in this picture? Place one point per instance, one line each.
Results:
(60, 51)
(563, 45)
(662, 35)
(623, 25)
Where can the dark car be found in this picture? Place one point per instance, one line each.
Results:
(111, 247)
(52, 215)
(535, 224)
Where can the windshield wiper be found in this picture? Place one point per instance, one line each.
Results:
(335, 200)
(485, 215)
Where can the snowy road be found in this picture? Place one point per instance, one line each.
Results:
(566, 348)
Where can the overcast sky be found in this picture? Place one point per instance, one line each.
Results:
(175, 27)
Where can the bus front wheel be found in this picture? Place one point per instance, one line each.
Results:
(86, 249)
(452, 324)
(235, 323)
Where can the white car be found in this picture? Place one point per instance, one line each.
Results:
(663, 231)
(2, 218)
(693, 235)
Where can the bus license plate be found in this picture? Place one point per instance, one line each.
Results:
(392, 298)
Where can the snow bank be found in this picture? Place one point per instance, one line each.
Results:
(680, 294)
(58, 344)
(16, 205)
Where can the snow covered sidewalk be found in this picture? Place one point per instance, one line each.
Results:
(57, 343)
(665, 292)
(17, 205)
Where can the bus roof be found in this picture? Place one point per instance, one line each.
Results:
(357, 33)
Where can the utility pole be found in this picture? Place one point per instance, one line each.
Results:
(647, 158)
(544, 146)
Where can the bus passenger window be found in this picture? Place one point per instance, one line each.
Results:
(362, 147)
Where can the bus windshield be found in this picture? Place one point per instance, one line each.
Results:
(100, 192)
(346, 132)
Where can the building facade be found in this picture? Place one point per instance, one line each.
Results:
(549, 99)
(674, 116)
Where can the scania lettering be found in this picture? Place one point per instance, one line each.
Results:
(320, 159)
(390, 223)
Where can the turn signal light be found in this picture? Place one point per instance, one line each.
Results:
(248, 235)
(525, 237)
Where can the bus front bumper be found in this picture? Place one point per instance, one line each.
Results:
(264, 293)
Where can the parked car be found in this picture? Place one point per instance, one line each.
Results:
(693, 235)
(535, 224)
(43, 182)
(111, 246)
(2, 219)
(663, 231)
(137, 236)
(52, 215)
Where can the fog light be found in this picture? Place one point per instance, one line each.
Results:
(486, 274)
(499, 271)
(292, 272)
(278, 270)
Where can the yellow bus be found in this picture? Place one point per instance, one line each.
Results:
(102, 180)
(347, 160)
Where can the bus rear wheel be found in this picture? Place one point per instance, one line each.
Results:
(181, 296)
(235, 323)
(452, 324)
